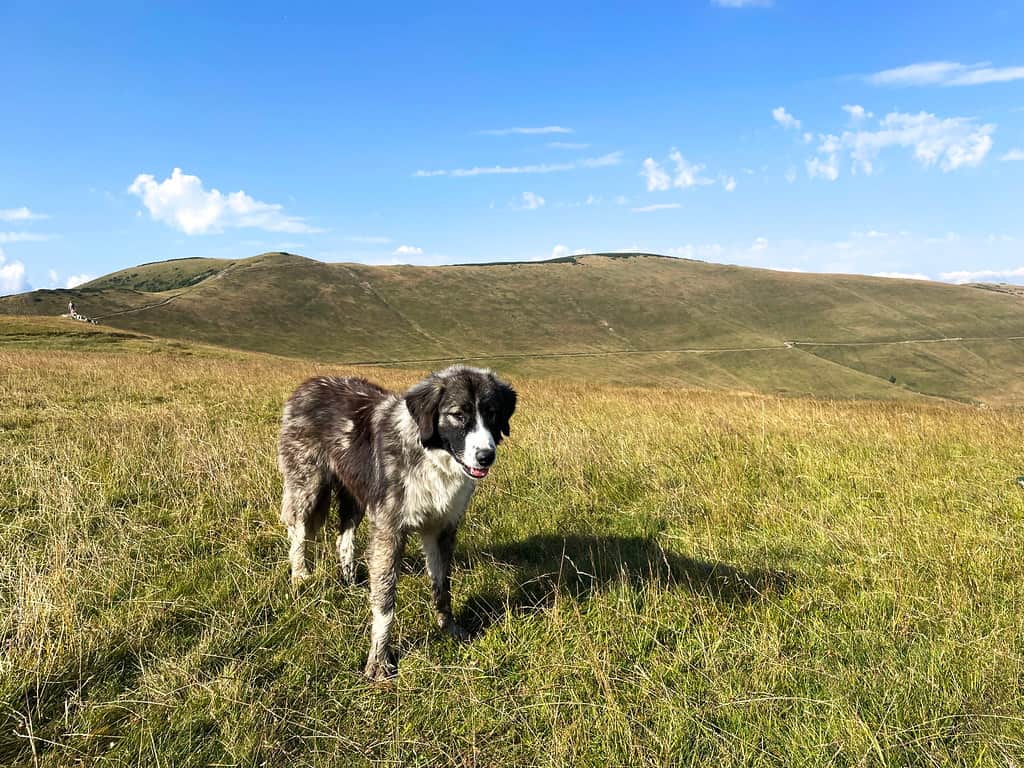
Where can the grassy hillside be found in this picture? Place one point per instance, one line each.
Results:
(655, 577)
(637, 319)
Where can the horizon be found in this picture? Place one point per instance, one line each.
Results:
(729, 131)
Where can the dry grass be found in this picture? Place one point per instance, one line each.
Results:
(655, 577)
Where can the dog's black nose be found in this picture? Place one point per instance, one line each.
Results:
(485, 457)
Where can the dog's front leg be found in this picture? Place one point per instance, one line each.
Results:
(438, 547)
(384, 553)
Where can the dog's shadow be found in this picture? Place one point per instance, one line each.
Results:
(550, 567)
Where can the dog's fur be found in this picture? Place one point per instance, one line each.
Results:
(411, 462)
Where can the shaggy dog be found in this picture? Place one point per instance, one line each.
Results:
(409, 461)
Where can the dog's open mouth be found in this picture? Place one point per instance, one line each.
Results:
(474, 472)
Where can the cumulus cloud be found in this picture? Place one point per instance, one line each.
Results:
(531, 201)
(686, 174)
(786, 120)
(945, 73)
(656, 207)
(53, 276)
(612, 158)
(20, 214)
(950, 143)
(728, 183)
(182, 202)
(535, 131)
(1014, 155)
(12, 276)
(857, 112)
(74, 281)
(407, 250)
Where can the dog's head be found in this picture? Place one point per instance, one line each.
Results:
(464, 411)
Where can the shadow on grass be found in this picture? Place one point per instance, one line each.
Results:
(548, 567)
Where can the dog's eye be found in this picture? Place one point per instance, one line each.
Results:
(457, 416)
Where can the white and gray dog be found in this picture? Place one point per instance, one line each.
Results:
(410, 461)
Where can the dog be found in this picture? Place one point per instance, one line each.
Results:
(410, 462)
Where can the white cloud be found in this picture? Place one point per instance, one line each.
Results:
(981, 275)
(657, 179)
(656, 207)
(23, 237)
(526, 131)
(759, 244)
(945, 73)
(824, 168)
(20, 214)
(728, 183)
(53, 276)
(743, 3)
(857, 112)
(531, 201)
(902, 275)
(790, 175)
(74, 281)
(612, 158)
(559, 252)
(786, 120)
(12, 276)
(566, 145)
(181, 201)
(686, 174)
(951, 143)
(407, 250)
(1014, 155)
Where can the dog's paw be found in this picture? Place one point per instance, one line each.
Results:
(380, 669)
(299, 578)
(457, 631)
(348, 574)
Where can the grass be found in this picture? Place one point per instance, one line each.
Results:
(643, 308)
(654, 576)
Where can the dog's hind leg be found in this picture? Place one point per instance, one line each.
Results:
(304, 508)
(350, 514)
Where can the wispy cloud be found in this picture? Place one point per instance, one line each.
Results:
(535, 131)
(182, 202)
(74, 281)
(656, 207)
(950, 143)
(785, 119)
(857, 112)
(20, 214)
(945, 73)
(612, 158)
(902, 275)
(24, 237)
(981, 275)
(1014, 155)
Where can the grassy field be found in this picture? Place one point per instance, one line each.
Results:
(617, 319)
(654, 577)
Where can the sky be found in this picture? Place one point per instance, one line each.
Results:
(871, 137)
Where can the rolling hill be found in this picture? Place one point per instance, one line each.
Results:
(622, 318)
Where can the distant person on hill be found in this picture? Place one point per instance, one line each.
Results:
(71, 309)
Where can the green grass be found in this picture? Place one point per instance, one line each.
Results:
(655, 577)
(644, 314)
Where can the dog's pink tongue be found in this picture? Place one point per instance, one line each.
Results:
(477, 473)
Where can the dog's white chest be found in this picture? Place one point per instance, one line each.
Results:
(435, 494)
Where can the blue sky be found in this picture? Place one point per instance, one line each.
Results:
(881, 138)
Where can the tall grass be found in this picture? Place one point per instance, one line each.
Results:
(654, 577)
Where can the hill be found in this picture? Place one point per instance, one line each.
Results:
(623, 318)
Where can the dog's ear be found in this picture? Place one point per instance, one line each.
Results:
(506, 406)
(423, 401)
